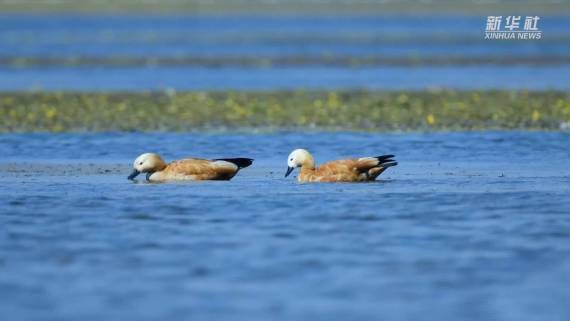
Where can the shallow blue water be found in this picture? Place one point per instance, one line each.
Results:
(469, 226)
(236, 78)
(224, 37)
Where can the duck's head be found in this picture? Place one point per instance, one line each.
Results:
(147, 163)
(299, 158)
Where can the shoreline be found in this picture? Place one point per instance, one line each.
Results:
(225, 111)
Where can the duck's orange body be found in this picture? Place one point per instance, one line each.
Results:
(190, 169)
(197, 170)
(347, 170)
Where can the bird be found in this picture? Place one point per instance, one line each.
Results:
(363, 169)
(190, 169)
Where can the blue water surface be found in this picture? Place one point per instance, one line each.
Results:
(73, 36)
(469, 226)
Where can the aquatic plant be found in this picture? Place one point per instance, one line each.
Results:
(325, 110)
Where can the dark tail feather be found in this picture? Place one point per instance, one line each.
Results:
(240, 162)
(384, 159)
(389, 164)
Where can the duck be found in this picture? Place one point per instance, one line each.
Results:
(190, 169)
(365, 169)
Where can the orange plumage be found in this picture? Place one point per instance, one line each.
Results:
(348, 170)
(188, 169)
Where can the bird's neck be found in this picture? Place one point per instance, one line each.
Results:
(309, 164)
(160, 166)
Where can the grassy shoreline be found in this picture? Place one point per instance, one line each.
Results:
(271, 111)
(332, 7)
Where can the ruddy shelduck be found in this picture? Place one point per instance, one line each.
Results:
(190, 169)
(363, 169)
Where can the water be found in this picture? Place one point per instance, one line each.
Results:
(469, 226)
(102, 40)
(236, 78)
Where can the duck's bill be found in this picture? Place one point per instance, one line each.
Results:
(134, 174)
(289, 170)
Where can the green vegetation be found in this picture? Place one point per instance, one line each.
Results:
(291, 6)
(367, 111)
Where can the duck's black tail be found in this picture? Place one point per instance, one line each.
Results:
(384, 158)
(240, 162)
(386, 161)
(389, 164)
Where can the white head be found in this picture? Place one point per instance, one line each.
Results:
(147, 163)
(299, 158)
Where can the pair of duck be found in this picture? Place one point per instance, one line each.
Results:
(363, 169)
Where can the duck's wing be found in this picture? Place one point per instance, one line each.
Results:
(372, 167)
(199, 169)
(364, 168)
(360, 165)
(337, 167)
(239, 162)
(226, 168)
(190, 166)
(364, 164)
(334, 171)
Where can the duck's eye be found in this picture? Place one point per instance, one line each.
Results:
(140, 163)
(291, 159)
